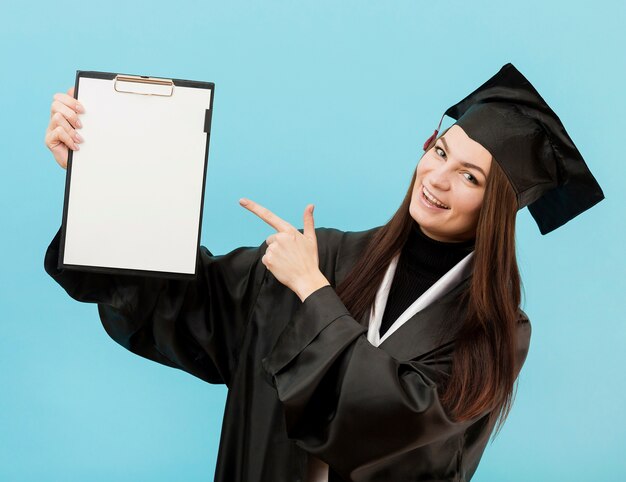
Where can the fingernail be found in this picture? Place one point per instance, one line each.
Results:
(78, 123)
(243, 201)
(76, 147)
(79, 108)
(79, 137)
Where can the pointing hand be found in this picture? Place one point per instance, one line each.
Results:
(291, 256)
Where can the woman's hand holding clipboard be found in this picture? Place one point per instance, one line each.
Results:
(62, 134)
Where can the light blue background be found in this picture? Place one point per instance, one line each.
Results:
(316, 102)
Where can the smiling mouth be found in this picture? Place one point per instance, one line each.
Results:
(432, 200)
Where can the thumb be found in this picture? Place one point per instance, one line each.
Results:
(309, 224)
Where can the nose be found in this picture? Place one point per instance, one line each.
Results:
(440, 178)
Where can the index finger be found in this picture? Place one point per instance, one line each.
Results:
(68, 100)
(266, 215)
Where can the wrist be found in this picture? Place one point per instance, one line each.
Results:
(310, 285)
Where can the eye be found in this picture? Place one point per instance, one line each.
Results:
(471, 178)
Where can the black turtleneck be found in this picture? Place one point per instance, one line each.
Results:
(422, 262)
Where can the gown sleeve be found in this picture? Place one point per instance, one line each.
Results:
(194, 325)
(347, 401)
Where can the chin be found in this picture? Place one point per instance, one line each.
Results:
(425, 220)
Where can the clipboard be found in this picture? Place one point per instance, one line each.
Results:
(134, 191)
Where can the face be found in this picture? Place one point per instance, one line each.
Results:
(449, 187)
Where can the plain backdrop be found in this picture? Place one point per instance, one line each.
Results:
(316, 102)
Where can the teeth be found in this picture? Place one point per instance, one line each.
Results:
(433, 199)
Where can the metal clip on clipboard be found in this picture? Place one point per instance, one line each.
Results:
(131, 84)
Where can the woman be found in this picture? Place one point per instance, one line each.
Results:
(381, 355)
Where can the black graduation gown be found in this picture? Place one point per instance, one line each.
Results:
(302, 377)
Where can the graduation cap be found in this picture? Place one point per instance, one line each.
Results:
(508, 117)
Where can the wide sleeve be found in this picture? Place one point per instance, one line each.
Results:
(194, 325)
(347, 401)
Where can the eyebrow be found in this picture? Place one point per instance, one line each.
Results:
(466, 164)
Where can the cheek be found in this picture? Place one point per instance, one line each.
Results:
(418, 181)
(426, 164)
(470, 203)
(421, 171)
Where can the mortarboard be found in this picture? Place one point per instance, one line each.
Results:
(508, 117)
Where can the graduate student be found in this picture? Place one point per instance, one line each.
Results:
(389, 354)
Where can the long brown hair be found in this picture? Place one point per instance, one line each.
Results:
(483, 369)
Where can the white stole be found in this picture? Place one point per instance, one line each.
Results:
(442, 286)
(317, 469)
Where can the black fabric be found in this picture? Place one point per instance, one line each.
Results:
(302, 377)
(508, 117)
(422, 262)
